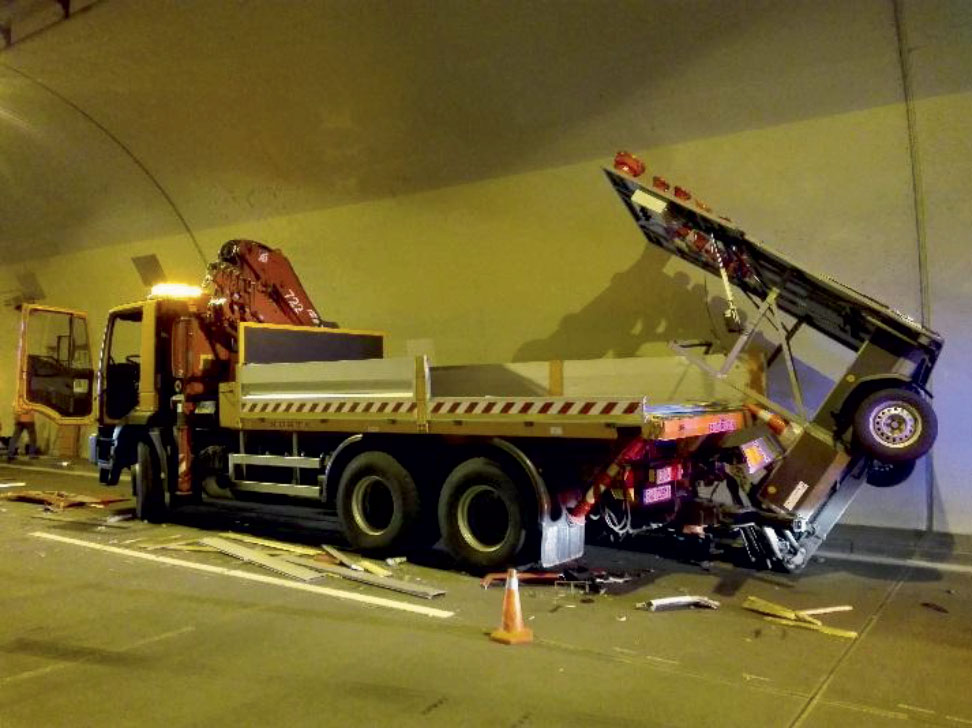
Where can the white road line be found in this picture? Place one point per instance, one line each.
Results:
(262, 578)
(12, 485)
(888, 561)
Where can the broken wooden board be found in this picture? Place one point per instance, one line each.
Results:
(827, 610)
(271, 544)
(342, 558)
(762, 606)
(273, 563)
(832, 631)
(358, 564)
(83, 521)
(58, 500)
(405, 587)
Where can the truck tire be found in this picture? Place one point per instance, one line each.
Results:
(150, 501)
(895, 425)
(377, 502)
(481, 515)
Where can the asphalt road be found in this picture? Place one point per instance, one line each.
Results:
(93, 634)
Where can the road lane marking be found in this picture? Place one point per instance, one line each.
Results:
(261, 578)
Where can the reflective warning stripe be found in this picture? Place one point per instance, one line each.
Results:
(519, 406)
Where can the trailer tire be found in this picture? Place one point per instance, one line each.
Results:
(895, 425)
(377, 502)
(481, 515)
(150, 500)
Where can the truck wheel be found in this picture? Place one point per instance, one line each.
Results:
(887, 475)
(377, 502)
(480, 515)
(150, 502)
(895, 425)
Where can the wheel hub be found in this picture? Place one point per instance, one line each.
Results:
(483, 518)
(896, 425)
(372, 505)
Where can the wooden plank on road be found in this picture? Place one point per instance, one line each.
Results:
(405, 587)
(273, 563)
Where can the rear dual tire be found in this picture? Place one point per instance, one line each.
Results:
(481, 515)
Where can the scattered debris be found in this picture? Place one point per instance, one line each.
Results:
(667, 604)
(762, 606)
(827, 610)
(99, 523)
(58, 500)
(342, 558)
(245, 553)
(833, 631)
(358, 564)
(270, 543)
(395, 560)
(935, 607)
(779, 614)
(534, 577)
(405, 587)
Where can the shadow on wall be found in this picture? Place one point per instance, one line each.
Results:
(643, 304)
(646, 305)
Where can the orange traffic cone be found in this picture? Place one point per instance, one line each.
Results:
(512, 631)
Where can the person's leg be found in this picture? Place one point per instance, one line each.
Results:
(12, 446)
(32, 439)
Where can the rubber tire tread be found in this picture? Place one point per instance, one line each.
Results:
(877, 449)
(150, 501)
(480, 471)
(407, 505)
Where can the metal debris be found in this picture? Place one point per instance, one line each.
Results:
(667, 604)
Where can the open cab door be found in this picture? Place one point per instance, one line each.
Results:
(54, 372)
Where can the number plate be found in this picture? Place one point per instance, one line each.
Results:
(658, 494)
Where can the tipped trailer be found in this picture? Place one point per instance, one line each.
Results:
(877, 419)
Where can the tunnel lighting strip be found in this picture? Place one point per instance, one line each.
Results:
(262, 578)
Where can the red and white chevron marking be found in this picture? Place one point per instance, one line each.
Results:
(535, 406)
(368, 407)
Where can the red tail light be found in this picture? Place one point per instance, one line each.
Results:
(629, 164)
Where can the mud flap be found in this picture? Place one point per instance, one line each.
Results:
(560, 541)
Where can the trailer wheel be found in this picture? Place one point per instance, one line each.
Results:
(481, 515)
(895, 425)
(377, 502)
(150, 501)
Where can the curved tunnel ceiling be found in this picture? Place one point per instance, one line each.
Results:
(245, 110)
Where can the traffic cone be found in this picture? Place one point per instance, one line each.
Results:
(512, 631)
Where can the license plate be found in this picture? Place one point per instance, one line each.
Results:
(658, 494)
